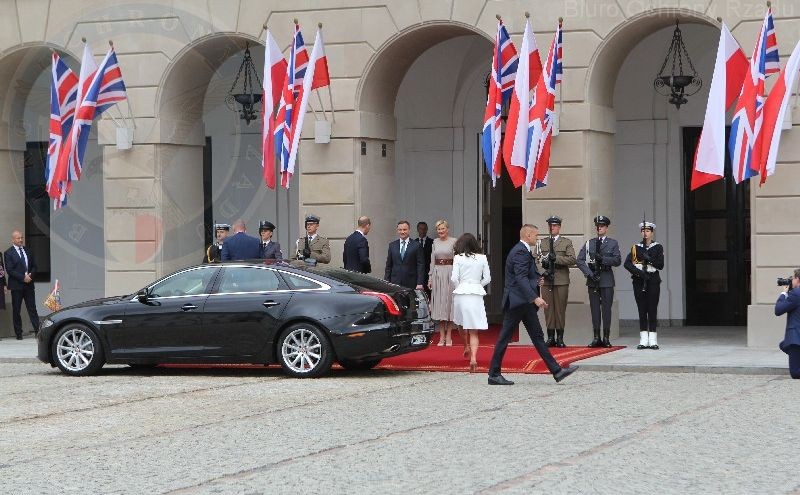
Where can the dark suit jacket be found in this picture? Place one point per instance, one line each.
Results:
(241, 246)
(522, 278)
(356, 253)
(271, 252)
(789, 304)
(408, 272)
(427, 249)
(15, 268)
(607, 253)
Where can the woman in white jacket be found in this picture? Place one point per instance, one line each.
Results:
(470, 276)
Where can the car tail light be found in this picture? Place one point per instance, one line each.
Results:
(391, 305)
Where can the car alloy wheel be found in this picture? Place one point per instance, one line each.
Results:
(305, 351)
(77, 351)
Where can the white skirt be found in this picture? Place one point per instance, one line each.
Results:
(469, 312)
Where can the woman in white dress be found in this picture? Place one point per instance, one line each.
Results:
(470, 276)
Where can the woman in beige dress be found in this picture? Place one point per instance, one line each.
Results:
(439, 282)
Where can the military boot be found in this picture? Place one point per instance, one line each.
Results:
(551, 341)
(560, 338)
(606, 335)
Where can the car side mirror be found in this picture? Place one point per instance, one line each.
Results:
(142, 296)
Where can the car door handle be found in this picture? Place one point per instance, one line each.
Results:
(269, 304)
(188, 307)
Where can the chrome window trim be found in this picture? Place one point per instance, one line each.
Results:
(321, 286)
(149, 287)
(161, 298)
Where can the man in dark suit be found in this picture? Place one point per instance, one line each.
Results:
(356, 248)
(20, 268)
(240, 246)
(404, 263)
(595, 261)
(270, 250)
(521, 301)
(427, 247)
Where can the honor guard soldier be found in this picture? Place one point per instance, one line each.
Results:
(595, 261)
(270, 250)
(556, 255)
(312, 247)
(214, 251)
(644, 262)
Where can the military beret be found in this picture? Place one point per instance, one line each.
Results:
(265, 225)
(602, 220)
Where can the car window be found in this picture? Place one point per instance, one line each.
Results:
(248, 279)
(300, 282)
(188, 283)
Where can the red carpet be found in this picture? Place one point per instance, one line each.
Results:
(518, 358)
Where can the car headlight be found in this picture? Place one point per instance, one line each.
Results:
(46, 323)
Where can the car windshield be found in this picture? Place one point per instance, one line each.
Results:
(354, 278)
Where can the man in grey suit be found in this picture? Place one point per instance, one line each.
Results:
(595, 261)
(270, 250)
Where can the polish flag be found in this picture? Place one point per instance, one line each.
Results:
(321, 76)
(730, 69)
(274, 75)
(775, 109)
(521, 138)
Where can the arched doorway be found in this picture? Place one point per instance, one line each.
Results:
(210, 156)
(67, 244)
(651, 146)
(429, 82)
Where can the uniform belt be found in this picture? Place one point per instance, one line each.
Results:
(444, 261)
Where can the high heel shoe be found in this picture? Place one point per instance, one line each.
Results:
(466, 351)
(473, 367)
(448, 342)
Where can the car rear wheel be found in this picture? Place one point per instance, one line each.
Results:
(366, 364)
(304, 351)
(77, 351)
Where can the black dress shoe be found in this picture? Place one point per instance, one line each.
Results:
(19, 337)
(565, 372)
(596, 342)
(499, 380)
(560, 338)
(551, 341)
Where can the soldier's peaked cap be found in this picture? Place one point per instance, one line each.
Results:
(312, 219)
(554, 219)
(602, 220)
(222, 226)
(266, 225)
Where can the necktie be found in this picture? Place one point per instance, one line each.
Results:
(24, 257)
(402, 250)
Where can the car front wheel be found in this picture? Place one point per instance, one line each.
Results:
(77, 351)
(304, 351)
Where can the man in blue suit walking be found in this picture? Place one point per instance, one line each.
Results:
(521, 301)
(241, 246)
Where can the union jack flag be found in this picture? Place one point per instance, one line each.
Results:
(287, 116)
(105, 90)
(501, 85)
(748, 117)
(552, 75)
(63, 97)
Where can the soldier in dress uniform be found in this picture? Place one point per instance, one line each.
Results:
(556, 256)
(644, 262)
(270, 250)
(595, 261)
(312, 247)
(214, 251)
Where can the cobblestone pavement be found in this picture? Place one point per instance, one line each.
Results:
(254, 431)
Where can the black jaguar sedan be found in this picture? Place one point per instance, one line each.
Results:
(304, 318)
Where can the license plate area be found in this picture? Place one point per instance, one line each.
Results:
(419, 339)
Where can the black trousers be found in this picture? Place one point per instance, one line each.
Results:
(601, 298)
(646, 295)
(28, 295)
(511, 318)
(794, 360)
